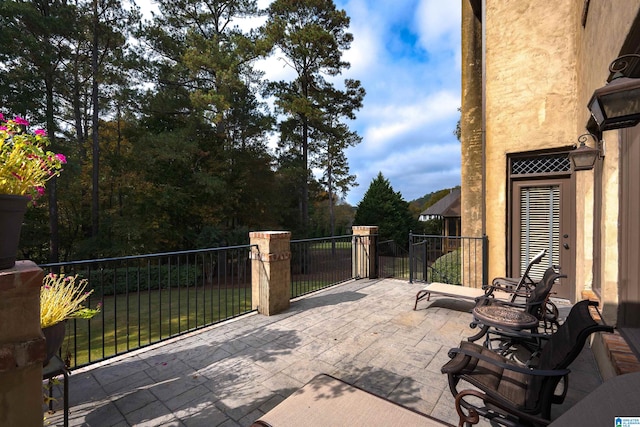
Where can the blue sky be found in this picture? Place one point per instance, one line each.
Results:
(406, 53)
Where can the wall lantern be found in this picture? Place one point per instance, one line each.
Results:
(617, 104)
(584, 157)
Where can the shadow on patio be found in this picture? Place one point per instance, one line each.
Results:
(364, 332)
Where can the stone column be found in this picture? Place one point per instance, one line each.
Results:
(364, 251)
(270, 271)
(22, 346)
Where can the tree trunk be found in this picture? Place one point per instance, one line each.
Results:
(54, 234)
(305, 182)
(332, 219)
(94, 127)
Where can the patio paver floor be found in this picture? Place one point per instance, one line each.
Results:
(364, 332)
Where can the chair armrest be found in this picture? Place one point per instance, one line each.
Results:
(511, 367)
(507, 289)
(480, 300)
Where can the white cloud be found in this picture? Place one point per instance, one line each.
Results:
(364, 51)
(276, 68)
(413, 172)
(389, 123)
(406, 53)
(438, 23)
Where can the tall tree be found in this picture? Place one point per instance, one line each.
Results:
(334, 137)
(205, 106)
(34, 40)
(110, 23)
(384, 207)
(312, 36)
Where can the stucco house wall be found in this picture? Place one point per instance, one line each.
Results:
(529, 69)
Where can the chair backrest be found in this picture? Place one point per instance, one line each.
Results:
(537, 299)
(562, 349)
(525, 279)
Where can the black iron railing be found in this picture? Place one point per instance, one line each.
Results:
(453, 260)
(392, 260)
(320, 263)
(149, 298)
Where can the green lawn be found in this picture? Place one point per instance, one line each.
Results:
(137, 319)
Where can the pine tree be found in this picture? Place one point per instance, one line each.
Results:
(311, 36)
(384, 207)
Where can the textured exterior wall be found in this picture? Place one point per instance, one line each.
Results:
(542, 64)
(598, 43)
(531, 101)
(471, 124)
(471, 136)
(541, 67)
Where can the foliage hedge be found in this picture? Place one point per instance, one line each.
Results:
(446, 269)
(121, 280)
(116, 281)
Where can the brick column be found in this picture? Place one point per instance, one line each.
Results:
(364, 251)
(270, 271)
(22, 346)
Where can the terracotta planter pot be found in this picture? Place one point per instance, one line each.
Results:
(54, 335)
(12, 209)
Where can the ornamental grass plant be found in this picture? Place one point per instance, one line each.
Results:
(62, 297)
(25, 164)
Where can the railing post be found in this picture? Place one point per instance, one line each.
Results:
(364, 243)
(485, 261)
(270, 271)
(410, 256)
(425, 259)
(22, 346)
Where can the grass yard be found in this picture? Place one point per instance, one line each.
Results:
(133, 320)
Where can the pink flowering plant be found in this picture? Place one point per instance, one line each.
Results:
(25, 164)
(62, 297)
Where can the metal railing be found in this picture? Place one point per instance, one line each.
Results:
(392, 260)
(320, 263)
(453, 260)
(148, 298)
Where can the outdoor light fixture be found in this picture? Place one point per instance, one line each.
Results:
(617, 104)
(584, 157)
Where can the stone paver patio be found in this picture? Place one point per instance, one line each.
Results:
(364, 332)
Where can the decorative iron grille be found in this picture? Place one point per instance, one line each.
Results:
(551, 163)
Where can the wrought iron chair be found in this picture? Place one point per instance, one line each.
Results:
(501, 318)
(510, 394)
(517, 286)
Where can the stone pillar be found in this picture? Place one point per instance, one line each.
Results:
(22, 346)
(270, 271)
(364, 251)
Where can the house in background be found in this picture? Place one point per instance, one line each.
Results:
(447, 210)
(529, 69)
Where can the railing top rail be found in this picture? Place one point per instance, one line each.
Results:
(315, 239)
(156, 255)
(446, 237)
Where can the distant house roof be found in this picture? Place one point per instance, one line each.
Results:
(448, 206)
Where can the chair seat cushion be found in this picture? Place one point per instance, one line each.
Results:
(497, 382)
